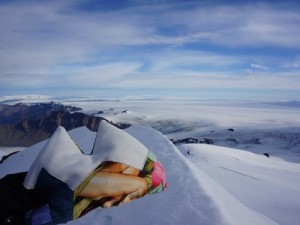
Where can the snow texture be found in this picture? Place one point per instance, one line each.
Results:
(208, 184)
(197, 193)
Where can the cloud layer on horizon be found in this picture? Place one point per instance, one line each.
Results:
(138, 44)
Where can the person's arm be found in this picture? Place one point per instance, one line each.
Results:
(114, 167)
(109, 184)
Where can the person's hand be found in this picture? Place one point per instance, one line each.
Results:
(119, 200)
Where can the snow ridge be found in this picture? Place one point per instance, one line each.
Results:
(197, 194)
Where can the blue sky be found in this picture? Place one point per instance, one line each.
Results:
(205, 49)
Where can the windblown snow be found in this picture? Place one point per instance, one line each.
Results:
(207, 185)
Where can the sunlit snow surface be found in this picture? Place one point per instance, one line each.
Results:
(208, 184)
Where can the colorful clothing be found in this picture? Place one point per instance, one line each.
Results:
(63, 166)
(152, 171)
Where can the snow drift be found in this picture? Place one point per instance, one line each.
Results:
(196, 194)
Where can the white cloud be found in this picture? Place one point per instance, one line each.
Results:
(55, 44)
(258, 66)
(243, 24)
(101, 75)
(212, 80)
(293, 63)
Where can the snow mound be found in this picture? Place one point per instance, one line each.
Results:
(194, 196)
(267, 185)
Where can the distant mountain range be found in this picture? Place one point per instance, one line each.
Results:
(26, 124)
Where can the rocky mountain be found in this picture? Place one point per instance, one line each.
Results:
(27, 124)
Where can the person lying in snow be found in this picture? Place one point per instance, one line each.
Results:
(65, 184)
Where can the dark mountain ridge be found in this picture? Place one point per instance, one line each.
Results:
(27, 124)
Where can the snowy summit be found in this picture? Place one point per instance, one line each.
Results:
(207, 185)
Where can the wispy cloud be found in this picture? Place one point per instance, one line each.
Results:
(257, 66)
(149, 44)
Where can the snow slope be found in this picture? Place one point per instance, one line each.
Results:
(196, 193)
(267, 185)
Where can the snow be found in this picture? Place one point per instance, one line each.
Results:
(9, 150)
(27, 98)
(267, 185)
(144, 111)
(212, 185)
(229, 182)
